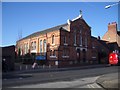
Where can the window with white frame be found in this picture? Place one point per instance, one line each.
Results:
(34, 45)
(40, 46)
(44, 46)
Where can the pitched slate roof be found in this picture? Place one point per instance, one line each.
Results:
(45, 31)
(104, 43)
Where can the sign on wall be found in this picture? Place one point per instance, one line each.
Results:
(40, 57)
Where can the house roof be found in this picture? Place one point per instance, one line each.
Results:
(63, 26)
(104, 43)
(45, 31)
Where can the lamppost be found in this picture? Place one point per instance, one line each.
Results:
(108, 6)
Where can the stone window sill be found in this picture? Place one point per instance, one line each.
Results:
(53, 57)
(65, 56)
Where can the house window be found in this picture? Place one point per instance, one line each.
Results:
(65, 53)
(53, 39)
(40, 46)
(93, 45)
(52, 54)
(44, 45)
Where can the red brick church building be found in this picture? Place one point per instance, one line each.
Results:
(63, 45)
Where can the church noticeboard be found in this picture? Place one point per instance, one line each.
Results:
(40, 57)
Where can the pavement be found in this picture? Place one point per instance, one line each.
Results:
(109, 81)
(52, 69)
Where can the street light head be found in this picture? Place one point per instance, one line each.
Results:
(108, 6)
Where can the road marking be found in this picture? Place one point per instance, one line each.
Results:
(93, 86)
(90, 86)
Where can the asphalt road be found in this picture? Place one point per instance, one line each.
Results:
(86, 77)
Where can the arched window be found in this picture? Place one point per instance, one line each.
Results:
(44, 44)
(40, 46)
(32, 45)
(25, 49)
(53, 39)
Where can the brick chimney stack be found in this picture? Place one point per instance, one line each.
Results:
(112, 27)
(111, 34)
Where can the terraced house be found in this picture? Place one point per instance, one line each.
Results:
(62, 45)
